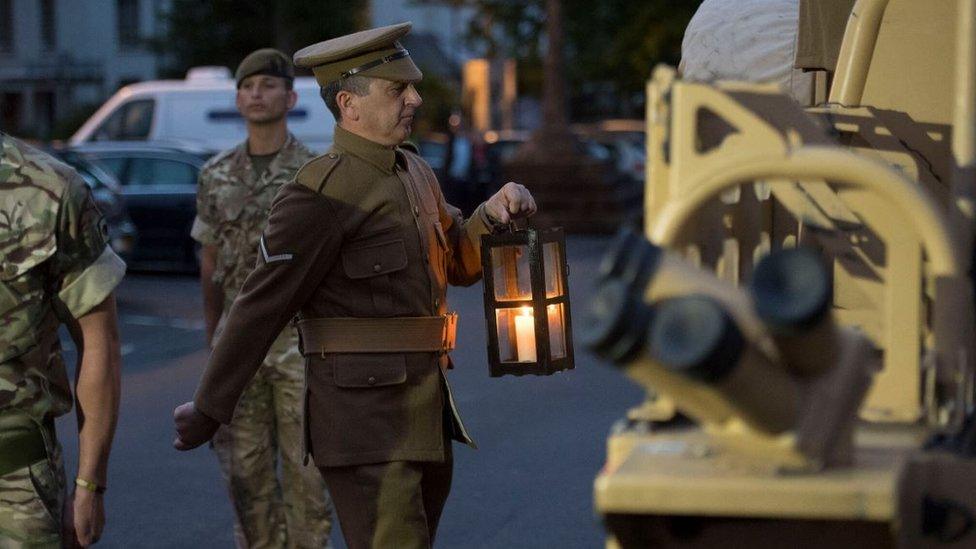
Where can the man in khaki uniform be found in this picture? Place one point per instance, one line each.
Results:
(362, 246)
(233, 198)
(55, 267)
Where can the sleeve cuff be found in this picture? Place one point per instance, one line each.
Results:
(481, 213)
(202, 232)
(94, 284)
(215, 415)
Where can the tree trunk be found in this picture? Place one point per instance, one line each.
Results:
(552, 142)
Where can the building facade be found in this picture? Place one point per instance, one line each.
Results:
(60, 57)
(442, 25)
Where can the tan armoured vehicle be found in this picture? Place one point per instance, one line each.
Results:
(800, 306)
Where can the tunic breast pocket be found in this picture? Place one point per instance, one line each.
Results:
(373, 262)
(231, 200)
(367, 405)
(20, 285)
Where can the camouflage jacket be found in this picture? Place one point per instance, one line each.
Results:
(233, 204)
(232, 210)
(54, 264)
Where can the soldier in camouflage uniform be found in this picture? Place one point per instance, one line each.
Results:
(233, 199)
(55, 267)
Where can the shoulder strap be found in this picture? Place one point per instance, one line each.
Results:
(315, 172)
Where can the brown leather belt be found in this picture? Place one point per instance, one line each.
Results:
(413, 334)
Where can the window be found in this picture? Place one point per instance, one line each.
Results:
(48, 24)
(127, 20)
(159, 171)
(115, 166)
(6, 26)
(44, 111)
(130, 122)
(10, 105)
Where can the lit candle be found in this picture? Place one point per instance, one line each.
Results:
(525, 335)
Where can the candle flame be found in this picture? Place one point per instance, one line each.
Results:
(525, 311)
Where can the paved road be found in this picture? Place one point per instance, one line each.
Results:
(529, 485)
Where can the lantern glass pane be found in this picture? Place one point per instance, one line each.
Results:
(516, 334)
(557, 330)
(552, 258)
(511, 276)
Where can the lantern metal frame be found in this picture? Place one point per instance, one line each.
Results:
(534, 242)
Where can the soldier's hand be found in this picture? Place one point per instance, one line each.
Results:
(513, 201)
(193, 427)
(84, 519)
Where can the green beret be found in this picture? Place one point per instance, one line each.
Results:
(374, 52)
(267, 61)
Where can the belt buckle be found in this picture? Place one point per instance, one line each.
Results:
(449, 335)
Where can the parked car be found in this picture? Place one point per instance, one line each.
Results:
(159, 186)
(107, 192)
(625, 139)
(198, 111)
(471, 168)
(451, 165)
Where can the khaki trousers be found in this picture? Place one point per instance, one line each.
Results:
(396, 504)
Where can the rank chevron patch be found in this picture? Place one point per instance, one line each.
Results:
(273, 258)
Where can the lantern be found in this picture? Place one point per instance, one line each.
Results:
(527, 302)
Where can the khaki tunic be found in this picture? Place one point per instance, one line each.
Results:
(363, 232)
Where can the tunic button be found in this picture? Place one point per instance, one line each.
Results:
(371, 380)
(377, 267)
(333, 155)
(437, 302)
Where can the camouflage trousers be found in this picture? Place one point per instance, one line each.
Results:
(295, 511)
(31, 501)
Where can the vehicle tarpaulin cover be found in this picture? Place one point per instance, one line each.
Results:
(745, 40)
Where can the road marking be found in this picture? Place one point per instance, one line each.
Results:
(163, 322)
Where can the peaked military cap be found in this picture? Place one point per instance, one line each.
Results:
(265, 61)
(374, 52)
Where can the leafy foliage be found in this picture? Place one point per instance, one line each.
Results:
(611, 45)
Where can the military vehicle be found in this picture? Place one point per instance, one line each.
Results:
(799, 306)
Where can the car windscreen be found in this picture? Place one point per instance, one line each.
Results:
(132, 121)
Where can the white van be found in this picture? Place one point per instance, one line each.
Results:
(198, 111)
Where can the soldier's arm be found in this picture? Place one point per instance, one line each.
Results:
(299, 246)
(204, 233)
(98, 383)
(97, 387)
(513, 201)
(213, 298)
(88, 271)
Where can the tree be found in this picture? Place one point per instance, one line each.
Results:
(222, 32)
(611, 42)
